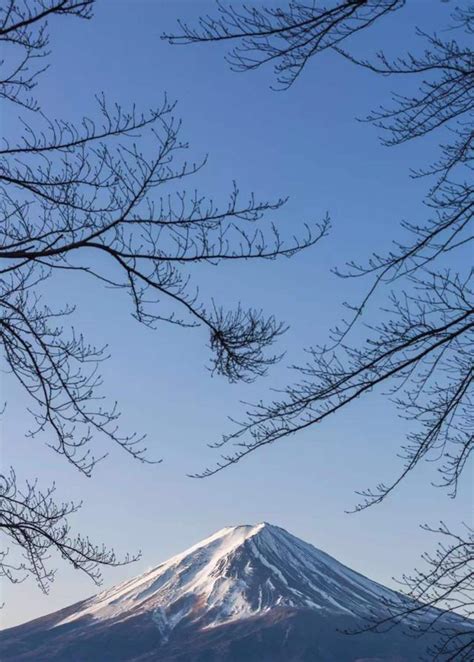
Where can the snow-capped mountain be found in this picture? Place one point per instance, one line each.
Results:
(236, 573)
(244, 593)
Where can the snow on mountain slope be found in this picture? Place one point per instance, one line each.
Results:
(236, 573)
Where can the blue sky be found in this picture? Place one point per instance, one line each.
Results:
(306, 144)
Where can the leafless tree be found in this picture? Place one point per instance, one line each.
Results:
(101, 198)
(447, 578)
(421, 345)
(287, 37)
(418, 349)
(38, 525)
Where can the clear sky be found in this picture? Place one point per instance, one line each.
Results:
(307, 144)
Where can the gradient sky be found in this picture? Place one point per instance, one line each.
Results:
(306, 144)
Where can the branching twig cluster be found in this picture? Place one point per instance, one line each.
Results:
(102, 198)
(39, 526)
(420, 350)
(447, 581)
(287, 37)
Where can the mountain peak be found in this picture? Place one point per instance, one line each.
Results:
(243, 531)
(239, 533)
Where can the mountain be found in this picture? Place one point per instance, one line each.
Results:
(245, 594)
